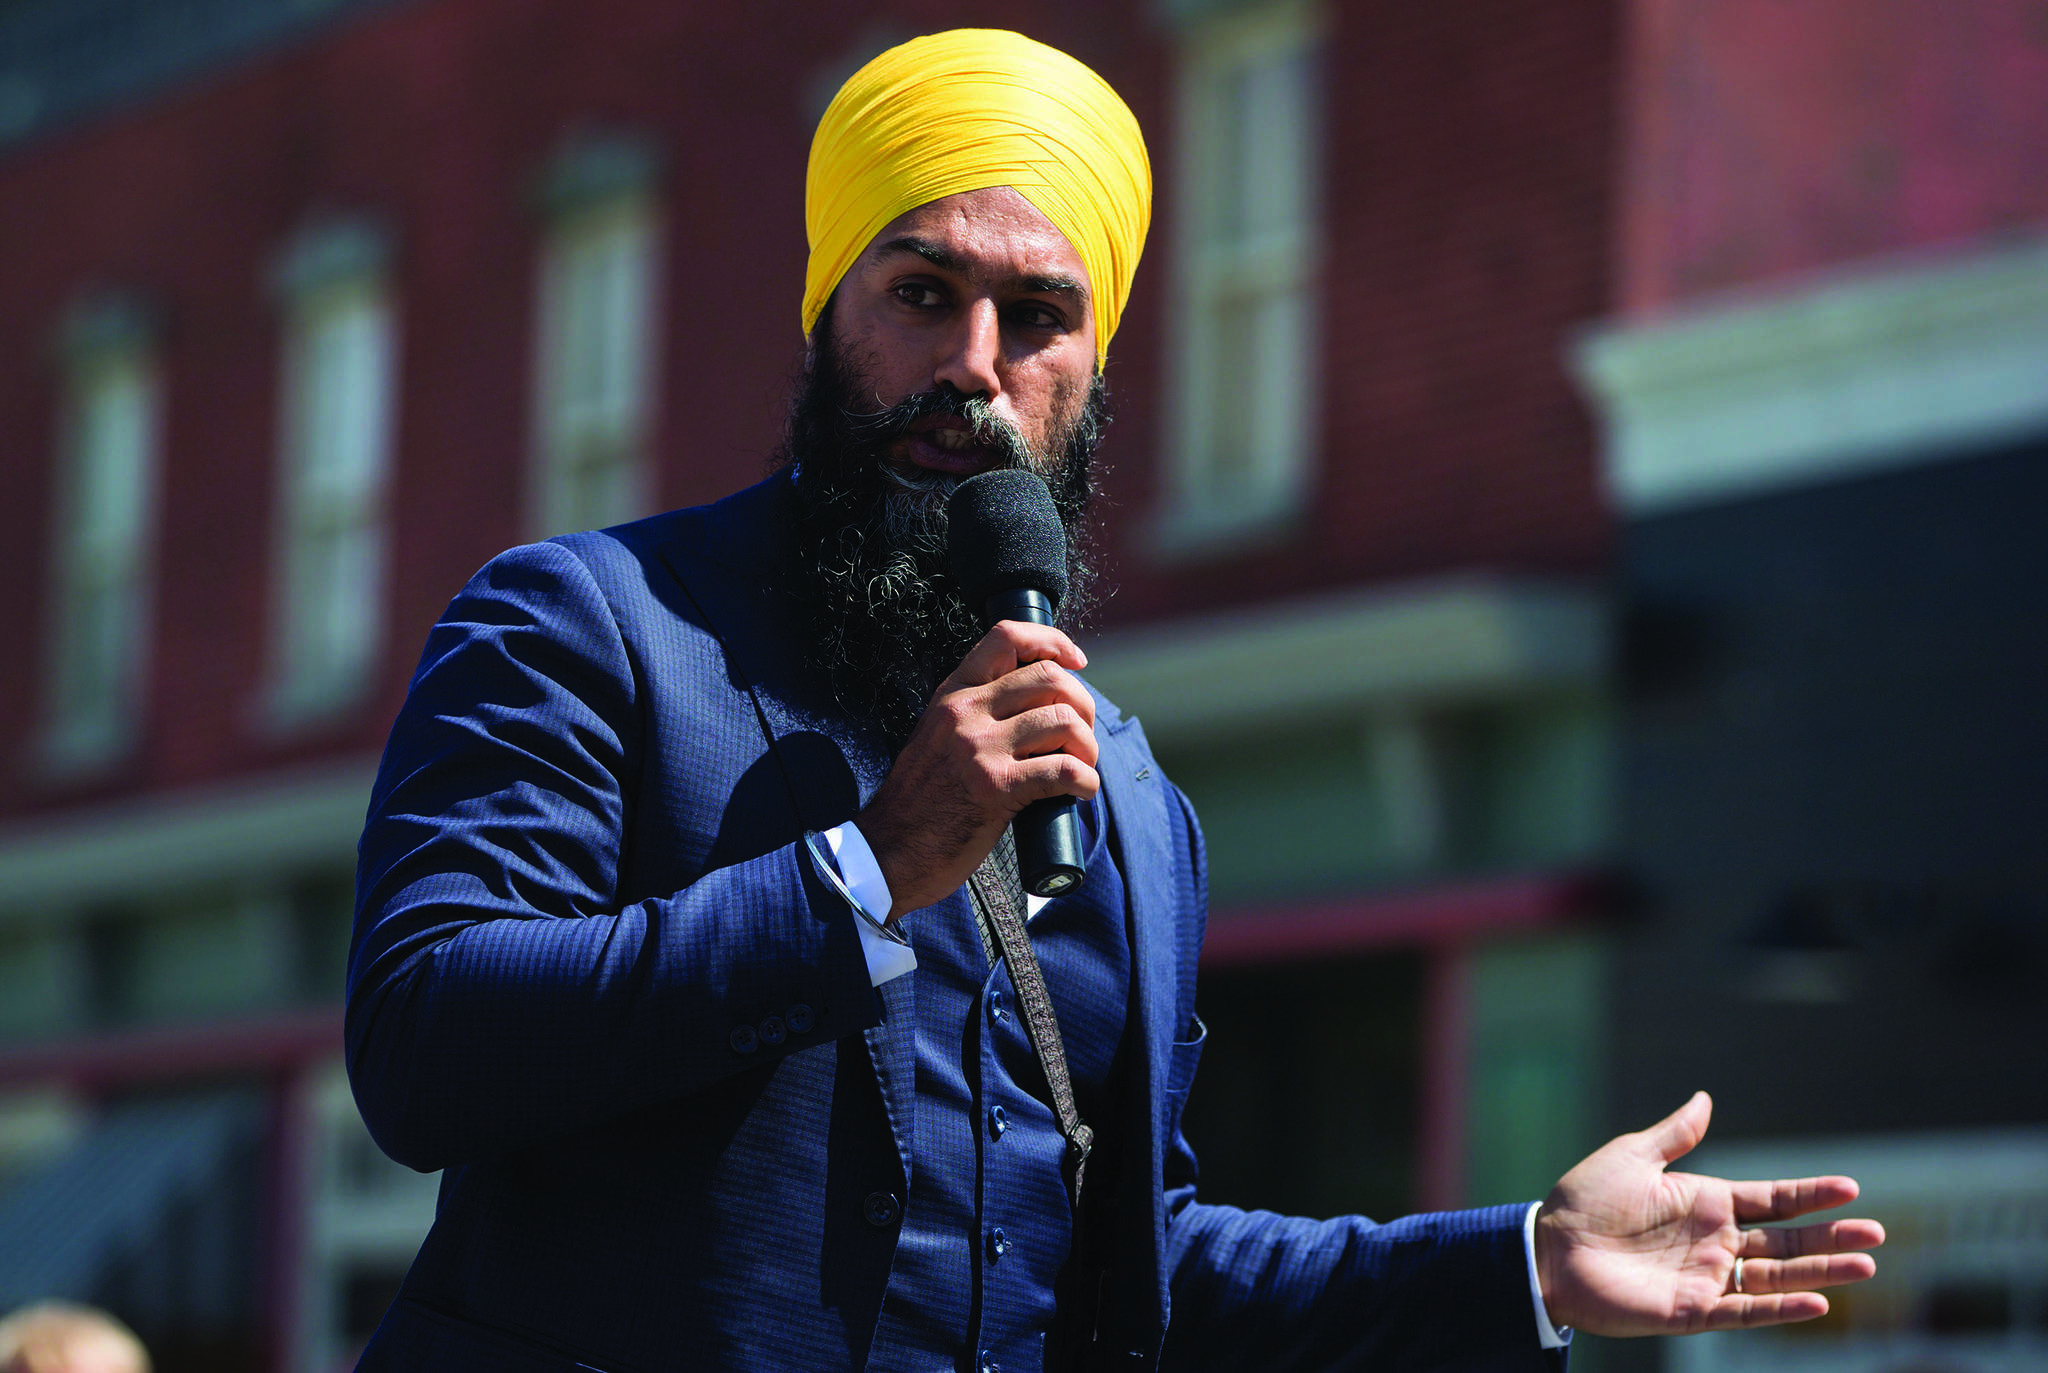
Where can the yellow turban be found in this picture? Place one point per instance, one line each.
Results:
(969, 109)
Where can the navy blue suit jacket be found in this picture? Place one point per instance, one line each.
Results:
(583, 871)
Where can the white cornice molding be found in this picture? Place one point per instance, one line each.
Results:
(1466, 639)
(1892, 364)
(276, 825)
(1351, 654)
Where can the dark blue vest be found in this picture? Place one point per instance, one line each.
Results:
(987, 1227)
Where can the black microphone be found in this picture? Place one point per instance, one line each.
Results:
(1008, 551)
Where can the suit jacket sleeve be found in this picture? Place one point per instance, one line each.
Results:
(1252, 1289)
(500, 991)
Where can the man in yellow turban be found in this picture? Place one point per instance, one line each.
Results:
(690, 941)
(976, 203)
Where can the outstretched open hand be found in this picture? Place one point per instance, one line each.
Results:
(1624, 1247)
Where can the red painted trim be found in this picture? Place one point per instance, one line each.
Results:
(1440, 1131)
(288, 1149)
(1434, 917)
(274, 1044)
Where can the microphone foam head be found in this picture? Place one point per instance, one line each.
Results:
(1004, 532)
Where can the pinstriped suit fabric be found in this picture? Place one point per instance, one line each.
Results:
(586, 938)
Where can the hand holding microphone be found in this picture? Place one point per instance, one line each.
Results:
(1010, 734)
(1009, 555)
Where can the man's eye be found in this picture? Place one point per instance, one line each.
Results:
(911, 293)
(1038, 317)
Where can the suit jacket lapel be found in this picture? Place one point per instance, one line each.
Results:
(1137, 806)
(892, 1045)
(727, 571)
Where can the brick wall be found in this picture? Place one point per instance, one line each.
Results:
(1469, 155)
(1468, 178)
(438, 116)
(1770, 139)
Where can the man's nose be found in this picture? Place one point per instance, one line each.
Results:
(972, 348)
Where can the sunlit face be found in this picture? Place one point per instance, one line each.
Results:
(980, 292)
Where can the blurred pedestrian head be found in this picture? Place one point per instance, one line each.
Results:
(57, 1337)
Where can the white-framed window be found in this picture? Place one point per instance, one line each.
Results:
(1242, 374)
(336, 416)
(594, 339)
(109, 453)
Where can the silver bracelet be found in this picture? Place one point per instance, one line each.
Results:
(828, 873)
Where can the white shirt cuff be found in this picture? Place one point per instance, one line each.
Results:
(887, 959)
(1547, 1335)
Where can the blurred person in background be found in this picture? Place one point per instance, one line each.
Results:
(673, 811)
(58, 1337)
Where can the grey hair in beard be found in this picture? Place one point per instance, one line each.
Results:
(870, 541)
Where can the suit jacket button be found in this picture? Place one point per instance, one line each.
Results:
(801, 1018)
(881, 1210)
(773, 1031)
(744, 1040)
(988, 1363)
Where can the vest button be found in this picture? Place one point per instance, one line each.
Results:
(998, 1244)
(998, 1122)
(744, 1040)
(773, 1031)
(988, 1363)
(881, 1210)
(801, 1018)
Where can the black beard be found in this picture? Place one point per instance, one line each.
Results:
(887, 625)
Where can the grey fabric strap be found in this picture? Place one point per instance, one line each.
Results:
(998, 896)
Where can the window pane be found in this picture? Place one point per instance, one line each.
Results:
(353, 595)
(338, 591)
(581, 355)
(626, 288)
(1232, 437)
(102, 639)
(594, 340)
(1281, 398)
(340, 390)
(1274, 94)
(112, 459)
(109, 469)
(1245, 376)
(599, 481)
(1217, 162)
(320, 404)
(345, 401)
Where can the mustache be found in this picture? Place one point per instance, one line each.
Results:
(986, 429)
